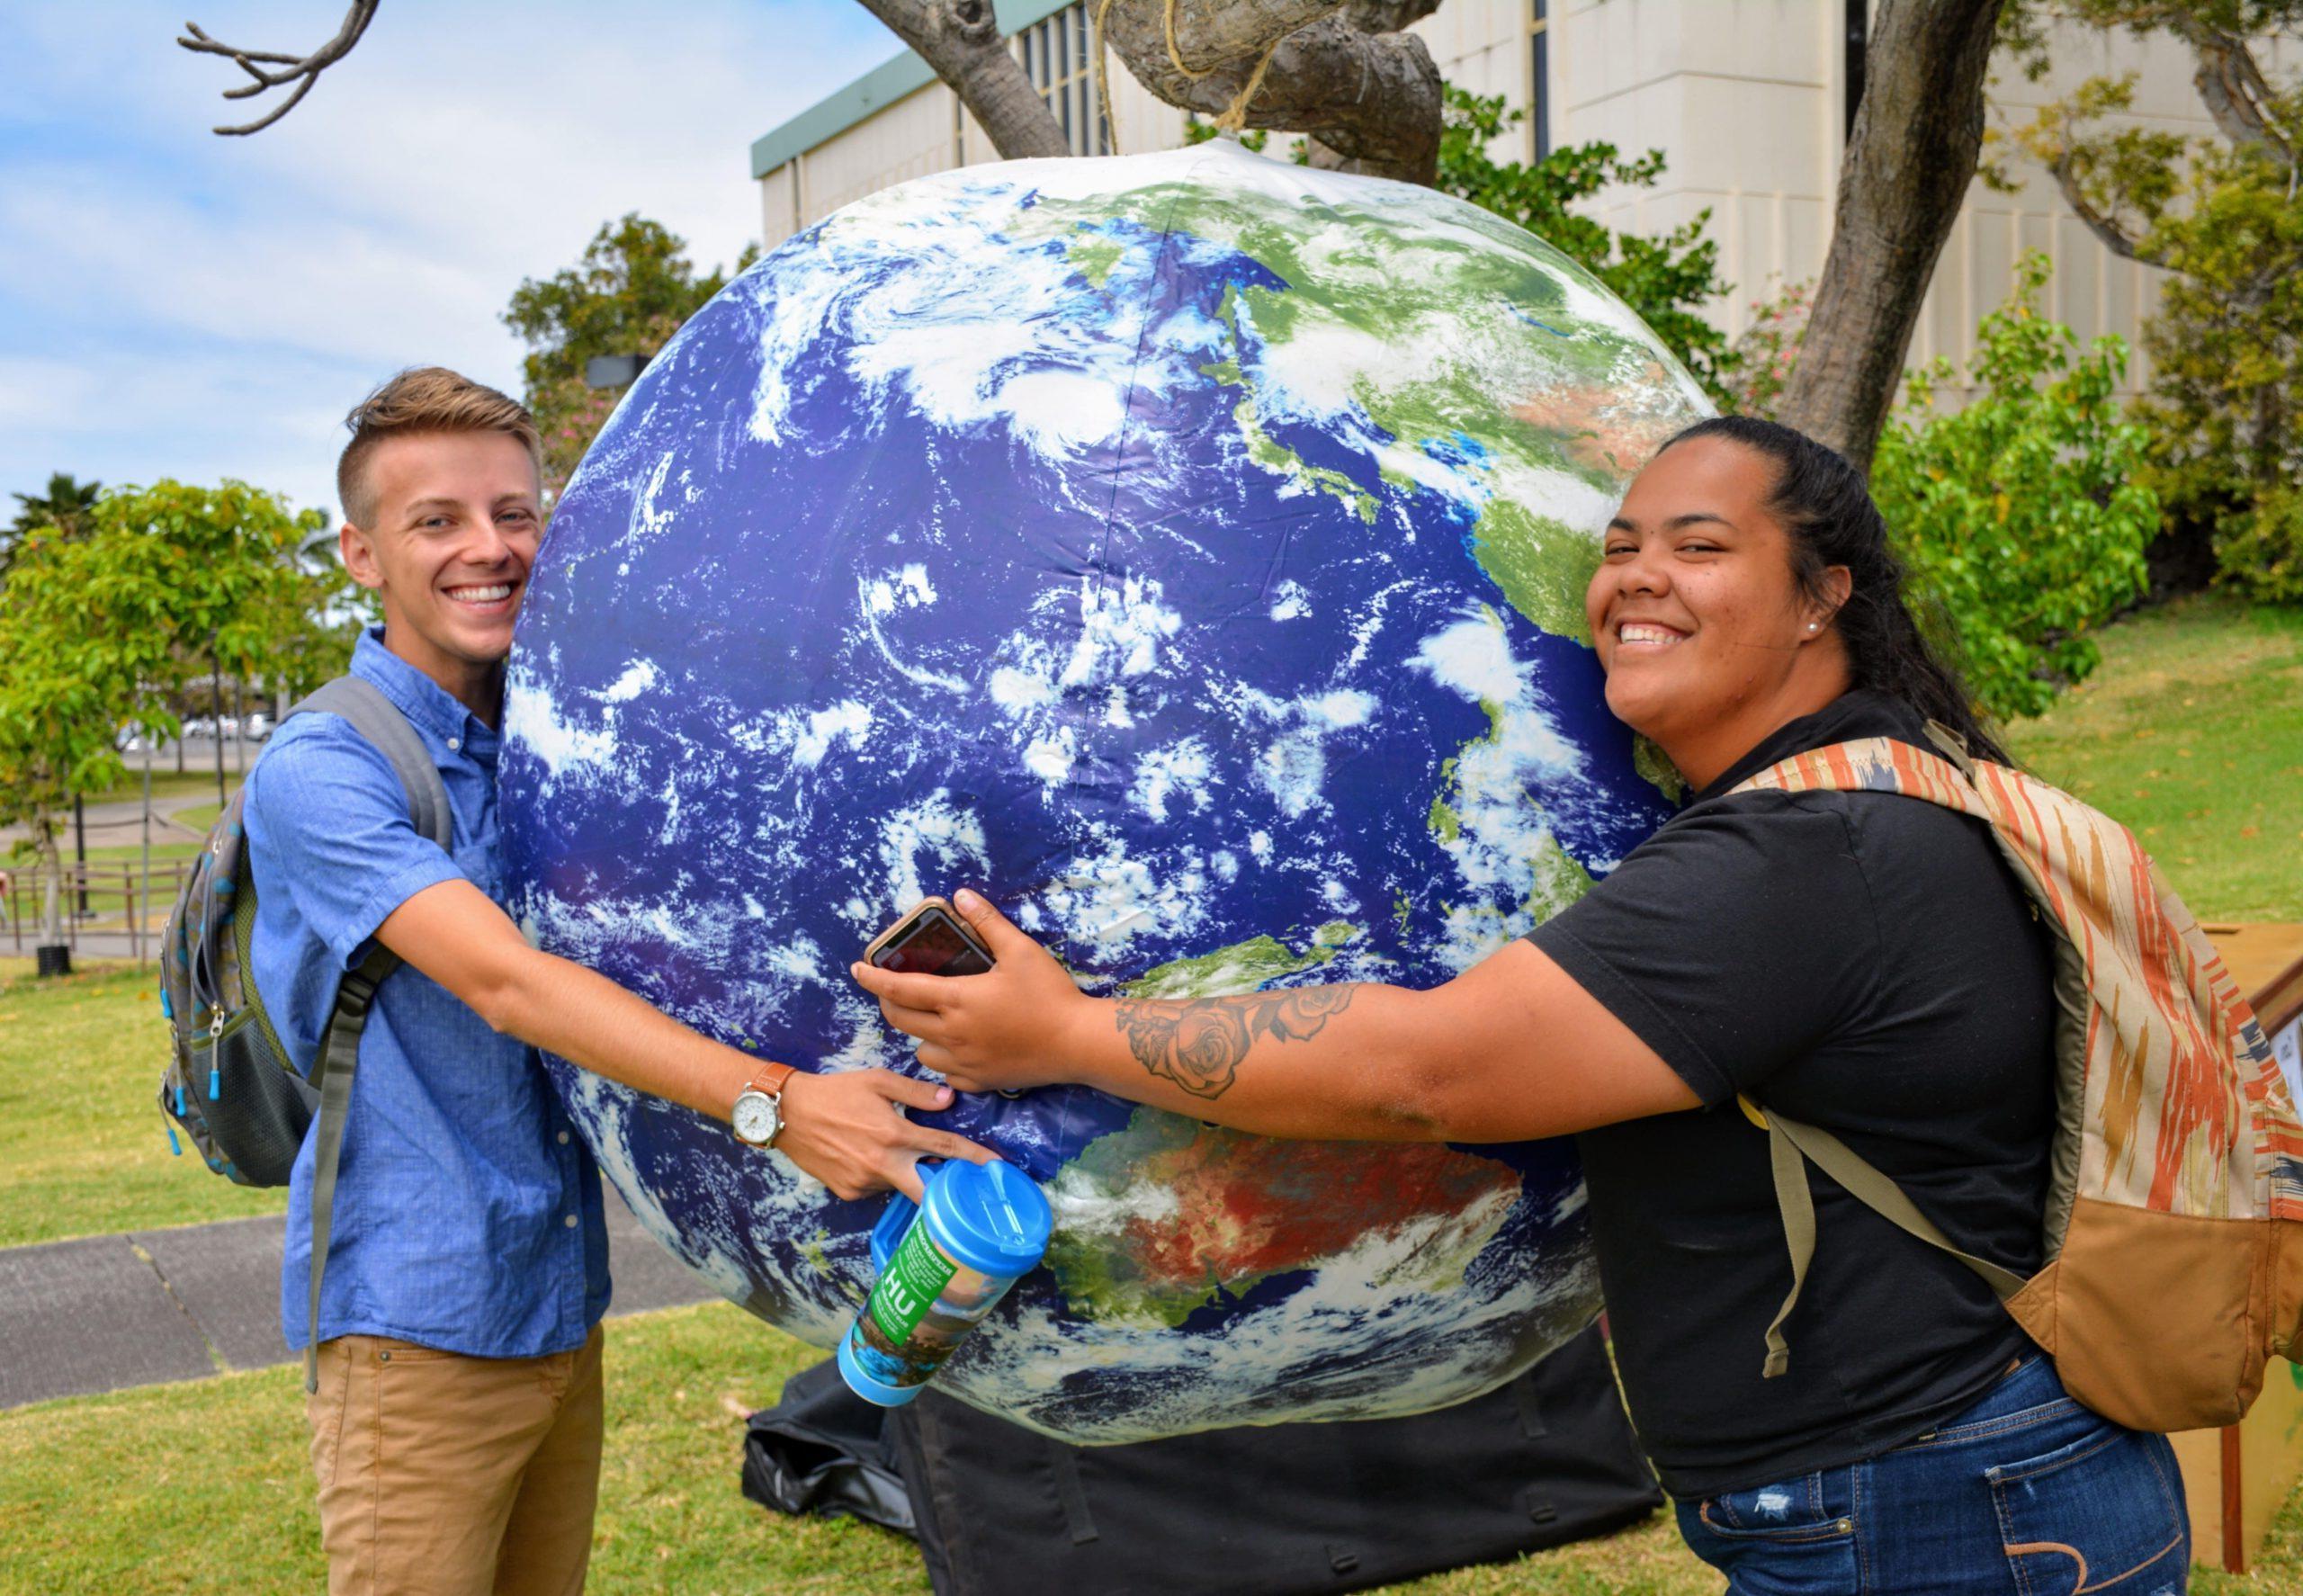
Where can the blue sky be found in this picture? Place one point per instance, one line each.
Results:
(176, 304)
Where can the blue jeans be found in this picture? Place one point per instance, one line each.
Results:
(2023, 1493)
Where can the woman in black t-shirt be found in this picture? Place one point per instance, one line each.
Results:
(1863, 962)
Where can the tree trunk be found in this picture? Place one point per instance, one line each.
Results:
(50, 863)
(960, 39)
(1909, 162)
(1373, 98)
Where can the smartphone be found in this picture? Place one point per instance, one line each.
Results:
(929, 939)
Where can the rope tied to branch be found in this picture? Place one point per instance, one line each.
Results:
(1104, 77)
(1235, 115)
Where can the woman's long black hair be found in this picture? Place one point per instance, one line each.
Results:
(1823, 504)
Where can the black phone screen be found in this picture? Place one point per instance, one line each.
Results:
(932, 945)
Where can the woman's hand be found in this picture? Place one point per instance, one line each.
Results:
(849, 1131)
(999, 1032)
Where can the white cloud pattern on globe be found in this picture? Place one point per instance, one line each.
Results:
(1187, 550)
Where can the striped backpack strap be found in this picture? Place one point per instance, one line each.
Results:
(2173, 1225)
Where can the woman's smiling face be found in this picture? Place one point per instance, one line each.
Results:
(1699, 619)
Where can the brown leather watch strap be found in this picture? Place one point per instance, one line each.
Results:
(771, 1078)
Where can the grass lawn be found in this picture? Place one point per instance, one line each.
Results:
(82, 1147)
(201, 816)
(2191, 733)
(127, 1491)
(131, 1492)
(167, 783)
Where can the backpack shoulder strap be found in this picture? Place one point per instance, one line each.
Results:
(1878, 765)
(1789, 1142)
(379, 720)
(1870, 765)
(340, 1062)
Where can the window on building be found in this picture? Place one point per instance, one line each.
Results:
(1059, 58)
(1538, 80)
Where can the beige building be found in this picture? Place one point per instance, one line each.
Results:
(1750, 101)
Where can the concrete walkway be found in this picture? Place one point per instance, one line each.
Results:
(106, 1313)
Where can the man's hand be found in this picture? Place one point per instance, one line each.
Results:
(1013, 1028)
(849, 1131)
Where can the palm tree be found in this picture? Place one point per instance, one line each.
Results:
(66, 506)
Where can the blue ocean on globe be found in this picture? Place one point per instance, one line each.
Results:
(1187, 550)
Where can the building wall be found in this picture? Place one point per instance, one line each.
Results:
(1747, 99)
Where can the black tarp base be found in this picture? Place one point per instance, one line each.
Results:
(1262, 1511)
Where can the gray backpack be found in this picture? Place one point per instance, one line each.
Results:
(230, 1084)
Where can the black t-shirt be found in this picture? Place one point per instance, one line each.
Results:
(1865, 963)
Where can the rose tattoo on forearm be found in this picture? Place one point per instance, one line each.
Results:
(1199, 1043)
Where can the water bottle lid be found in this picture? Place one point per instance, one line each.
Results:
(990, 1217)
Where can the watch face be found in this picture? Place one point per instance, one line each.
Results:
(756, 1119)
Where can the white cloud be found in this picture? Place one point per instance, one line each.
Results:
(172, 303)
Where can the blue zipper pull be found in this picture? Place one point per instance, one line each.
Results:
(179, 1101)
(174, 1146)
(215, 1083)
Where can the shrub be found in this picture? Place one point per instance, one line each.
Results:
(1765, 353)
(2260, 550)
(2020, 515)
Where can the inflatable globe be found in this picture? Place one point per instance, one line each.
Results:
(1188, 551)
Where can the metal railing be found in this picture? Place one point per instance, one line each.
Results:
(110, 910)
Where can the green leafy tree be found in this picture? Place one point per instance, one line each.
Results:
(2221, 214)
(630, 294)
(2022, 516)
(1666, 279)
(99, 633)
(70, 678)
(64, 507)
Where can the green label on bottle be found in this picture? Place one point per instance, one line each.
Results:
(908, 1287)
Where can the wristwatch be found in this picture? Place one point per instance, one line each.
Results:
(758, 1117)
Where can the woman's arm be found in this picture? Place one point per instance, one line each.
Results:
(1511, 1049)
(845, 1130)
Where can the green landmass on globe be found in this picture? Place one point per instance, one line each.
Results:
(1187, 549)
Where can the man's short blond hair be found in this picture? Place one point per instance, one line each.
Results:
(423, 399)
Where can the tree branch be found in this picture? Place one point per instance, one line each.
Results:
(960, 39)
(1906, 174)
(2232, 87)
(303, 71)
(2113, 236)
(1373, 98)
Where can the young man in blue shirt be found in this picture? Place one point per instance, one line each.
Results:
(456, 1429)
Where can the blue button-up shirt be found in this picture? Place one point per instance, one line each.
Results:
(467, 1212)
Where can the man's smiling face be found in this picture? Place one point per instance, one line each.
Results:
(454, 530)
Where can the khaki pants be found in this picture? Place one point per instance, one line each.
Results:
(450, 1476)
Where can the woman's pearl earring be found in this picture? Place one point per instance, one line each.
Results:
(1811, 626)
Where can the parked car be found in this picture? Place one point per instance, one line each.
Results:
(259, 726)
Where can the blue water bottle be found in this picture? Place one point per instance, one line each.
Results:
(942, 1265)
